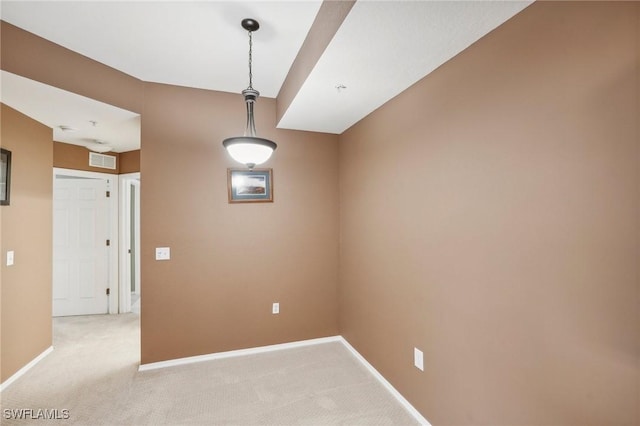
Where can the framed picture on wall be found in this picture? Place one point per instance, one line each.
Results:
(5, 176)
(250, 186)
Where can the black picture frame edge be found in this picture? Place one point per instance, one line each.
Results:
(7, 199)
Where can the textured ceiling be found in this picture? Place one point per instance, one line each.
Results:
(195, 44)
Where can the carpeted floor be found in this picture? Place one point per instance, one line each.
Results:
(93, 373)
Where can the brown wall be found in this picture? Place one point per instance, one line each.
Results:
(490, 217)
(27, 230)
(496, 229)
(75, 157)
(230, 262)
(129, 162)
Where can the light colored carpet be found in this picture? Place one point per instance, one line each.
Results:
(93, 373)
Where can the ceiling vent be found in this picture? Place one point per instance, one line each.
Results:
(102, 161)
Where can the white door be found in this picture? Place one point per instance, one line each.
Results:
(80, 252)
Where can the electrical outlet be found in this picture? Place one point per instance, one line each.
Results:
(10, 258)
(276, 308)
(418, 359)
(163, 253)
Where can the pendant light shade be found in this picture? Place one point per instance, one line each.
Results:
(249, 149)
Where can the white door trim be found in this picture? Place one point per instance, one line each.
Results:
(112, 186)
(124, 214)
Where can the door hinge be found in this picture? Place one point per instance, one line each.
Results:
(108, 242)
(108, 194)
(108, 291)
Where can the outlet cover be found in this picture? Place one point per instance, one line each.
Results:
(418, 359)
(10, 258)
(276, 308)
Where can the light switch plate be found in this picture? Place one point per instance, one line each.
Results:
(10, 255)
(418, 359)
(163, 253)
(276, 308)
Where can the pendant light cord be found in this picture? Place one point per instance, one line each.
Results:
(250, 60)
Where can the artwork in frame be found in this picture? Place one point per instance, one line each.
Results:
(5, 176)
(250, 186)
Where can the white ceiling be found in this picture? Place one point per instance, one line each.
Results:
(382, 47)
(187, 43)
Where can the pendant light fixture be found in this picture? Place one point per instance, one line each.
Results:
(250, 149)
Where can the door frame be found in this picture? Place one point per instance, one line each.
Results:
(125, 209)
(112, 186)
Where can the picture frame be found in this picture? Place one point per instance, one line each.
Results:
(250, 186)
(5, 177)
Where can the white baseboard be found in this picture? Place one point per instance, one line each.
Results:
(397, 395)
(26, 368)
(239, 352)
(262, 349)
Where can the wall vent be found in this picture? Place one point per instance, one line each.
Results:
(102, 161)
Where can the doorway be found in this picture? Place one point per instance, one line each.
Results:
(130, 247)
